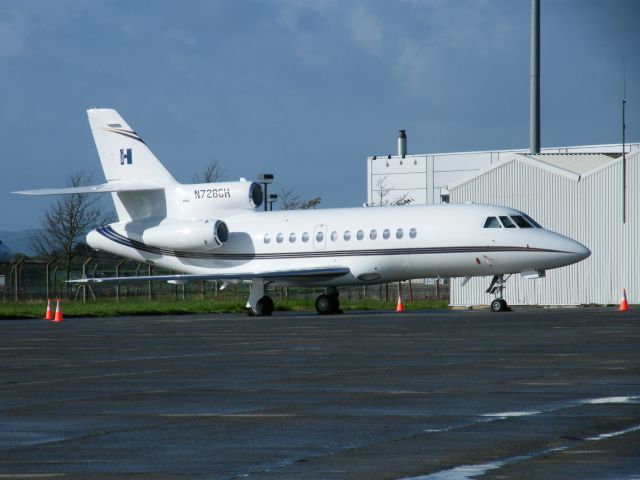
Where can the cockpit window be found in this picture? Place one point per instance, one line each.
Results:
(521, 221)
(492, 222)
(507, 222)
(532, 221)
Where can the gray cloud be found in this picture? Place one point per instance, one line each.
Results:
(13, 34)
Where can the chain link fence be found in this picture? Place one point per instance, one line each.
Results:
(37, 279)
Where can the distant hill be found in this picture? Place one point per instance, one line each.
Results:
(20, 241)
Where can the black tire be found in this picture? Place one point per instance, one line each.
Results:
(327, 304)
(264, 307)
(505, 307)
(498, 305)
(335, 307)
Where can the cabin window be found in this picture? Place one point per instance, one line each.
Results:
(373, 234)
(413, 233)
(492, 222)
(280, 238)
(507, 222)
(292, 237)
(360, 235)
(347, 235)
(521, 221)
(319, 236)
(334, 236)
(532, 221)
(305, 237)
(399, 233)
(267, 238)
(386, 234)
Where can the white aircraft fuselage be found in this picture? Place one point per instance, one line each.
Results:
(384, 244)
(216, 231)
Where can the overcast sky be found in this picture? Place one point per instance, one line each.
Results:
(305, 90)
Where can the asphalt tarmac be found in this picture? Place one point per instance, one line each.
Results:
(429, 395)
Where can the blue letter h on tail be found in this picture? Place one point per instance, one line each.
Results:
(126, 156)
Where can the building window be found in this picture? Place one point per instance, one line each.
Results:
(373, 234)
(360, 235)
(413, 233)
(267, 238)
(292, 237)
(279, 238)
(305, 237)
(399, 233)
(334, 236)
(386, 234)
(347, 235)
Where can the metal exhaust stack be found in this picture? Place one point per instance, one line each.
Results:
(402, 143)
(535, 77)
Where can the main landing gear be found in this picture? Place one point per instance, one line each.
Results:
(328, 303)
(496, 288)
(261, 305)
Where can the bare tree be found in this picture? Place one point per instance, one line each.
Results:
(213, 172)
(67, 221)
(290, 200)
(383, 192)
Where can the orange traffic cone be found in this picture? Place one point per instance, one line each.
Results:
(400, 307)
(624, 305)
(58, 317)
(49, 314)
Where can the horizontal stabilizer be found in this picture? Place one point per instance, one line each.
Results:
(104, 188)
(293, 275)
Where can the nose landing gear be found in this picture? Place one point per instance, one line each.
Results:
(496, 287)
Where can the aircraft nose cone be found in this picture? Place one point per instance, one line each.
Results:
(582, 251)
(577, 250)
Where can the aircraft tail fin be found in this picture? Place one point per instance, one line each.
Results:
(123, 153)
(126, 158)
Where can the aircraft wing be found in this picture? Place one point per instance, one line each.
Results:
(291, 275)
(104, 188)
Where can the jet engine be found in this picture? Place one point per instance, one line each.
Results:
(194, 235)
(198, 198)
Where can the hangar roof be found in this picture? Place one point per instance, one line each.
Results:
(571, 165)
(578, 163)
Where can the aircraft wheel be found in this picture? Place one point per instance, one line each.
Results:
(505, 307)
(327, 304)
(264, 307)
(498, 305)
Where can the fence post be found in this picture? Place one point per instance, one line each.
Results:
(84, 275)
(49, 263)
(137, 285)
(150, 289)
(118, 265)
(17, 278)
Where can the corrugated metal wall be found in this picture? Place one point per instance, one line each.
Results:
(589, 211)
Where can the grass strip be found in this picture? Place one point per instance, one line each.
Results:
(114, 308)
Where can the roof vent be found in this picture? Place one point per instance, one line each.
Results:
(402, 143)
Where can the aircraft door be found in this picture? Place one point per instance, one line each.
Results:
(320, 237)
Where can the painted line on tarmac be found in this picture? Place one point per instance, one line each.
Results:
(467, 472)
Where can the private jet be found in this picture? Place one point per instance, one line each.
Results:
(216, 231)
